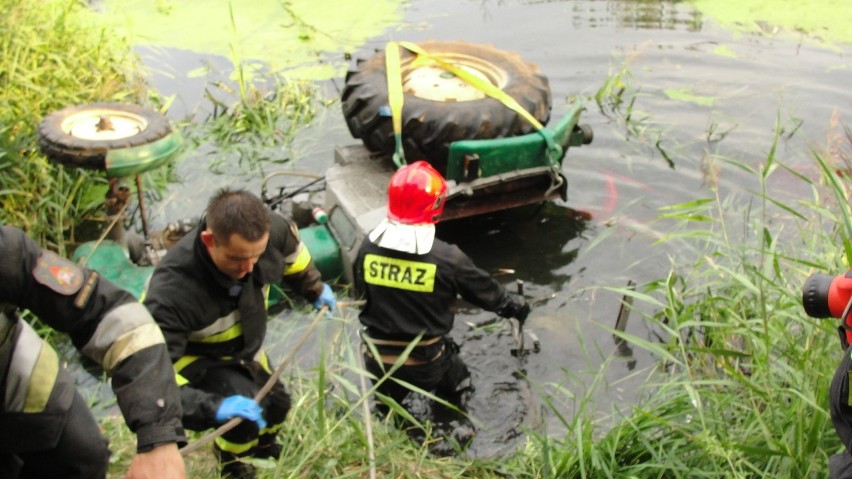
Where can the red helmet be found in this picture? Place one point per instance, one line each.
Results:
(416, 194)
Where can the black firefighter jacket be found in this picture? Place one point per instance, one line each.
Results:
(408, 294)
(104, 322)
(208, 318)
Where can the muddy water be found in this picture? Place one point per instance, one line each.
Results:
(694, 94)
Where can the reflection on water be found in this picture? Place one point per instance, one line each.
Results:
(503, 241)
(643, 14)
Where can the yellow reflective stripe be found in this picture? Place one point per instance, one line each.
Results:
(235, 447)
(144, 292)
(185, 361)
(179, 366)
(234, 331)
(221, 328)
(300, 263)
(130, 343)
(119, 323)
(180, 380)
(263, 360)
(272, 429)
(30, 362)
(265, 296)
(400, 274)
(42, 380)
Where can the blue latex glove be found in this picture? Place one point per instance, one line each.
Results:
(240, 406)
(326, 298)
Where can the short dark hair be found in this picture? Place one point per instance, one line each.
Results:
(237, 211)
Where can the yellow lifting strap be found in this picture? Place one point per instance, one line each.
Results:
(395, 97)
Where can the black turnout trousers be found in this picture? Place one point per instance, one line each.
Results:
(81, 452)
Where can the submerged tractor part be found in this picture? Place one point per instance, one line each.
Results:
(476, 113)
(439, 108)
(502, 173)
(121, 140)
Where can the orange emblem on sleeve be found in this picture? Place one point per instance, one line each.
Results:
(58, 273)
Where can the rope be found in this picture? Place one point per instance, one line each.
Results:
(476, 82)
(109, 228)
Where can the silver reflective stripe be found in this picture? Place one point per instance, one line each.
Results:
(122, 331)
(221, 325)
(32, 372)
(140, 338)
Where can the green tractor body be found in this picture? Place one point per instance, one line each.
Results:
(509, 172)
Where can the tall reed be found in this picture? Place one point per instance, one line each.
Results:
(256, 115)
(740, 386)
(53, 54)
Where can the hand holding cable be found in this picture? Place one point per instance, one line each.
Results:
(522, 311)
(515, 307)
(326, 298)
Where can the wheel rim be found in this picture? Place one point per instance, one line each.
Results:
(104, 125)
(423, 78)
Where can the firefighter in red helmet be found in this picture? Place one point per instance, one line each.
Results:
(410, 280)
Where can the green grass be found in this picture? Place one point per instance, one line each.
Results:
(57, 53)
(52, 55)
(740, 389)
(255, 117)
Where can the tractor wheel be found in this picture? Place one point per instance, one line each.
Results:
(439, 108)
(82, 136)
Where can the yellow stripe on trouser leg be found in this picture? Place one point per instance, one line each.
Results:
(234, 447)
(180, 365)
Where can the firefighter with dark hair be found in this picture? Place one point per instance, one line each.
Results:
(209, 296)
(46, 427)
(410, 280)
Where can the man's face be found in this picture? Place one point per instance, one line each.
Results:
(237, 257)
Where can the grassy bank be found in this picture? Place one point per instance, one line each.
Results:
(53, 54)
